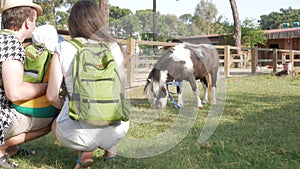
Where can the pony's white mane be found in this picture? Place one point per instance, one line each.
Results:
(158, 84)
(149, 88)
(163, 75)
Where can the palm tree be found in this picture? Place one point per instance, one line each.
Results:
(154, 20)
(237, 24)
(104, 7)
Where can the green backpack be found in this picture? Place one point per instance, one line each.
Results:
(97, 98)
(36, 63)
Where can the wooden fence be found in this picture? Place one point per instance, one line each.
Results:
(249, 57)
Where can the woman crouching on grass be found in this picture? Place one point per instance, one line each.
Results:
(85, 23)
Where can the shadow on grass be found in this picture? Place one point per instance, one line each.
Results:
(50, 154)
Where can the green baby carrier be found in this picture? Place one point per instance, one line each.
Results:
(36, 65)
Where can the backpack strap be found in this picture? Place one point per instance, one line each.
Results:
(77, 43)
(8, 32)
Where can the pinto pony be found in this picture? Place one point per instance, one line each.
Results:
(184, 61)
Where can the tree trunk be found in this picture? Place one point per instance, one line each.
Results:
(154, 27)
(154, 20)
(104, 6)
(237, 24)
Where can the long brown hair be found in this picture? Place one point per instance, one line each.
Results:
(85, 21)
(14, 18)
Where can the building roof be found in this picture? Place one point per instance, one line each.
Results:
(211, 39)
(282, 33)
(270, 34)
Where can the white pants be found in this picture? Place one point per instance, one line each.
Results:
(83, 137)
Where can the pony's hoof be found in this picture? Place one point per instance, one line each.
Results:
(204, 102)
(200, 108)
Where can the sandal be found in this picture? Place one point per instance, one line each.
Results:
(104, 158)
(86, 163)
(7, 164)
(25, 152)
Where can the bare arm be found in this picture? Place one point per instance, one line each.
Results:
(15, 88)
(54, 83)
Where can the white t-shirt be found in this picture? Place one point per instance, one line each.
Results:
(67, 53)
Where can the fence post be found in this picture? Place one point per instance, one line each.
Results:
(226, 60)
(275, 59)
(292, 55)
(130, 65)
(254, 58)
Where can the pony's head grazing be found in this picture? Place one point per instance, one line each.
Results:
(156, 89)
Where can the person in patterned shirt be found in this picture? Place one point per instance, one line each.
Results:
(18, 20)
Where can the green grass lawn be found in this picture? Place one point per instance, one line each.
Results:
(259, 128)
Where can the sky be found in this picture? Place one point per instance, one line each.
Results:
(251, 9)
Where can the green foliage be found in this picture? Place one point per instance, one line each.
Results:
(130, 25)
(206, 19)
(227, 33)
(145, 18)
(186, 18)
(252, 35)
(124, 23)
(62, 19)
(56, 12)
(116, 13)
(48, 15)
(275, 20)
(171, 26)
